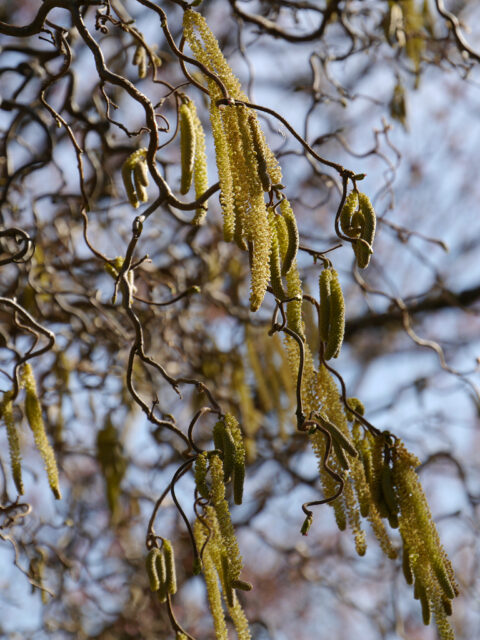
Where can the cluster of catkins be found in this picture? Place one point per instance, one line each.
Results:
(375, 472)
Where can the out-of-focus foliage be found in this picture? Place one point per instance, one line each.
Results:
(183, 374)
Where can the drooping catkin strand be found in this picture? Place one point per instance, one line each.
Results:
(260, 271)
(170, 573)
(33, 411)
(151, 567)
(260, 154)
(362, 251)
(200, 172)
(336, 328)
(211, 578)
(351, 203)
(239, 457)
(324, 319)
(294, 284)
(140, 61)
(275, 261)
(224, 172)
(337, 435)
(128, 168)
(228, 452)
(187, 147)
(6, 413)
(426, 559)
(161, 570)
(140, 179)
(201, 467)
(223, 516)
(292, 234)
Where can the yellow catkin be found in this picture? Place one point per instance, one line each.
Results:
(128, 176)
(6, 413)
(211, 579)
(162, 576)
(224, 172)
(239, 457)
(292, 234)
(294, 284)
(275, 260)
(201, 467)
(260, 271)
(187, 147)
(151, 567)
(140, 179)
(140, 61)
(223, 516)
(336, 328)
(324, 319)
(200, 172)
(33, 411)
(351, 203)
(218, 553)
(259, 149)
(170, 573)
(367, 233)
(427, 561)
(239, 620)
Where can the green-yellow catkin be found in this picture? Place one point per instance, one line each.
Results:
(351, 203)
(443, 579)
(275, 260)
(218, 431)
(292, 234)
(224, 172)
(357, 406)
(128, 176)
(222, 512)
(260, 269)
(429, 565)
(239, 458)
(239, 620)
(362, 251)
(228, 453)
(406, 568)
(424, 601)
(161, 570)
(151, 567)
(211, 578)
(33, 411)
(388, 494)
(294, 284)
(337, 435)
(6, 413)
(187, 146)
(228, 591)
(259, 149)
(242, 585)
(201, 467)
(170, 573)
(336, 327)
(140, 60)
(200, 171)
(140, 179)
(324, 317)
